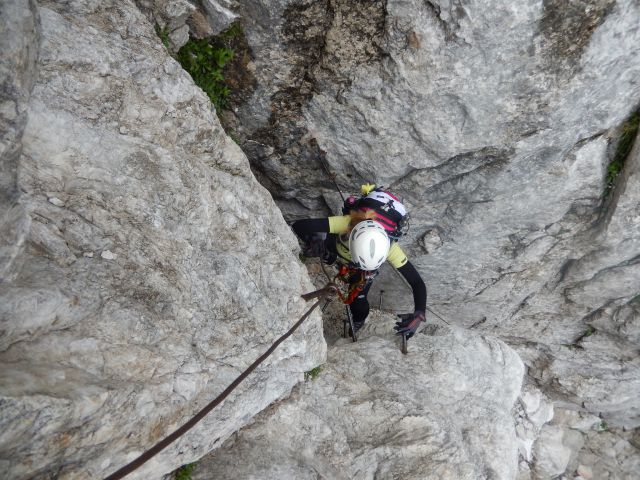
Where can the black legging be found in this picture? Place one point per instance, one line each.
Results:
(360, 306)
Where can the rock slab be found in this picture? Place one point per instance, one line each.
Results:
(441, 412)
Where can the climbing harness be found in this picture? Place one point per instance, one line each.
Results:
(348, 283)
(321, 294)
(345, 290)
(353, 281)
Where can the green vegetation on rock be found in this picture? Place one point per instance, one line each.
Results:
(625, 144)
(185, 471)
(313, 373)
(234, 31)
(590, 331)
(576, 345)
(205, 62)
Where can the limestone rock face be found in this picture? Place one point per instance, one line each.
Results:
(441, 412)
(496, 124)
(19, 44)
(142, 266)
(583, 445)
(492, 121)
(390, 88)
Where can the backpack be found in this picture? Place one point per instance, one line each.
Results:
(390, 212)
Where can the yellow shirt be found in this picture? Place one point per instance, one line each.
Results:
(340, 225)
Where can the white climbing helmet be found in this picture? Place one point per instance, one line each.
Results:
(369, 245)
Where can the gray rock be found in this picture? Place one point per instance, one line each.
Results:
(496, 125)
(19, 46)
(442, 411)
(589, 309)
(182, 19)
(103, 355)
(532, 412)
(610, 455)
(219, 14)
(179, 37)
(577, 445)
(554, 451)
(108, 255)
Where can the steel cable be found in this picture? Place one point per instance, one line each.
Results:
(165, 442)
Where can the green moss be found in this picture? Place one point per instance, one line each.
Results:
(625, 144)
(185, 471)
(233, 136)
(313, 373)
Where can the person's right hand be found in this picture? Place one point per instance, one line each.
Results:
(409, 323)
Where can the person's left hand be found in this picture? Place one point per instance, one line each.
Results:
(409, 323)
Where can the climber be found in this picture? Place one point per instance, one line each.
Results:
(362, 239)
